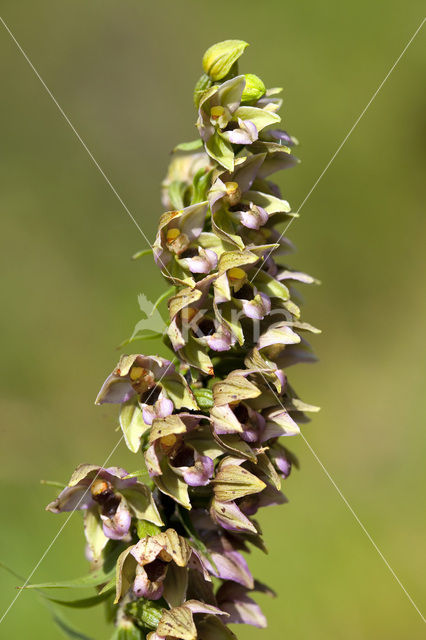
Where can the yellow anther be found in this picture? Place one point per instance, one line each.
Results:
(231, 187)
(236, 274)
(99, 486)
(172, 234)
(233, 192)
(216, 112)
(168, 441)
(136, 373)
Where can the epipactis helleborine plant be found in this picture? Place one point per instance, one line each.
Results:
(166, 554)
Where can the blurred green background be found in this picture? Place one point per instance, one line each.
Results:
(124, 73)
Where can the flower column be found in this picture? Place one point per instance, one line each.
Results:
(208, 422)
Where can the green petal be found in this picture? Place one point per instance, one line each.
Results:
(125, 573)
(132, 424)
(220, 150)
(141, 502)
(172, 485)
(260, 117)
(93, 531)
(179, 392)
(233, 482)
(234, 388)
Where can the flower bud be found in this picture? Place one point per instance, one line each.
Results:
(219, 58)
(254, 88)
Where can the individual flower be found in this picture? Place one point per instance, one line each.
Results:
(191, 621)
(148, 380)
(177, 232)
(178, 183)
(109, 499)
(242, 609)
(222, 121)
(134, 375)
(144, 568)
(223, 558)
(172, 459)
(238, 198)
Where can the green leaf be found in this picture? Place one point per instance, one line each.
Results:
(83, 603)
(53, 483)
(67, 629)
(189, 146)
(160, 299)
(140, 254)
(149, 335)
(93, 579)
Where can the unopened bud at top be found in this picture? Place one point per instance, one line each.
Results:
(219, 58)
(254, 88)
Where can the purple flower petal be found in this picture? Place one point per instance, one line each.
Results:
(257, 308)
(254, 218)
(205, 262)
(231, 565)
(200, 473)
(117, 526)
(221, 340)
(71, 498)
(233, 599)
